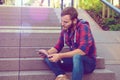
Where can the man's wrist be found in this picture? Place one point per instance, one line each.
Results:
(48, 52)
(60, 56)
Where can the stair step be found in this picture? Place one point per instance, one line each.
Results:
(31, 64)
(29, 28)
(28, 16)
(28, 39)
(98, 74)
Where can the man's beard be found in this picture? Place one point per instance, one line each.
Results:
(71, 26)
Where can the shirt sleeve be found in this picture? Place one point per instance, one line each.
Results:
(85, 38)
(60, 42)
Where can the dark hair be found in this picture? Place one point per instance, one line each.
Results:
(70, 11)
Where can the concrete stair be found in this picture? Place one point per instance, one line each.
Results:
(36, 69)
(21, 62)
(98, 74)
(18, 57)
(27, 16)
(30, 64)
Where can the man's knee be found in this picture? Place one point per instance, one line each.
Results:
(77, 57)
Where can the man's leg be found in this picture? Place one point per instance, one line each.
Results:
(54, 67)
(59, 68)
(78, 71)
(78, 65)
(81, 65)
(89, 64)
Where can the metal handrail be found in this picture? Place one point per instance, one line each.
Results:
(111, 6)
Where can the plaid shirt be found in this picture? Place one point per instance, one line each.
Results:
(81, 39)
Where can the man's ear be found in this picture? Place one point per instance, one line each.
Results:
(75, 21)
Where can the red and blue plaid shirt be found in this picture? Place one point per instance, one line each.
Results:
(81, 39)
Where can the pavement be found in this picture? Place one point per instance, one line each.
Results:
(107, 42)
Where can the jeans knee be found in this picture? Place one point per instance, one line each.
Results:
(77, 57)
(77, 64)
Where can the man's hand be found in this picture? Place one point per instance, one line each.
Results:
(54, 57)
(43, 53)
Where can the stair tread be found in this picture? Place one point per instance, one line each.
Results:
(49, 72)
(36, 16)
(45, 72)
(8, 64)
(30, 58)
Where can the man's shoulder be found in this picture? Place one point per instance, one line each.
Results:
(83, 21)
(83, 24)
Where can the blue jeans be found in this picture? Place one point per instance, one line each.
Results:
(78, 65)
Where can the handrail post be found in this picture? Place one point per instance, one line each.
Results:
(103, 11)
(76, 3)
(48, 2)
(72, 3)
(112, 10)
(108, 9)
(61, 4)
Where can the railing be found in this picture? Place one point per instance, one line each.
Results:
(109, 7)
(51, 3)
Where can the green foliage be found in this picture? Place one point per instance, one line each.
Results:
(117, 17)
(114, 27)
(112, 24)
(29, 2)
(95, 6)
(109, 21)
(90, 4)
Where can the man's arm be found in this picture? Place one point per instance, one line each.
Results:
(56, 57)
(52, 50)
(71, 53)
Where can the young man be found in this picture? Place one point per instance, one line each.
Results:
(81, 58)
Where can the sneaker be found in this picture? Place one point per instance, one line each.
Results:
(62, 77)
